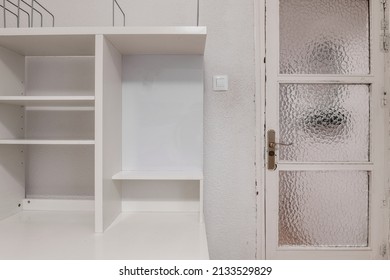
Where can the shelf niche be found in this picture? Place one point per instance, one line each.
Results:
(158, 134)
(46, 127)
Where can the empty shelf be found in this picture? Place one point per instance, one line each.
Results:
(159, 175)
(48, 100)
(69, 235)
(70, 41)
(45, 142)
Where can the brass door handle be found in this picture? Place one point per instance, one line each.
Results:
(271, 149)
(273, 144)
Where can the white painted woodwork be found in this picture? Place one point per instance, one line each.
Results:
(55, 81)
(201, 203)
(58, 204)
(72, 76)
(161, 195)
(11, 121)
(169, 43)
(59, 171)
(61, 125)
(160, 206)
(50, 101)
(108, 150)
(45, 142)
(60, 108)
(11, 73)
(376, 78)
(99, 88)
(80, 41)
(159, 175)
(260, 85)
(68, 235)
(162, 112)
(64, 125)
(12, 179)
(47, 44)
(163, 124)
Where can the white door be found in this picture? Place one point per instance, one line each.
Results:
(324, 92)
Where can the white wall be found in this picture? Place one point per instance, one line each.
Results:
(229, 129)
(138, 12)
(229, 145)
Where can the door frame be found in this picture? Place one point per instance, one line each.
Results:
(380, 212)
(260, 78)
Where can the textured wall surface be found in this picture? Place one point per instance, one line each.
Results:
(229, 156)
(229, 147)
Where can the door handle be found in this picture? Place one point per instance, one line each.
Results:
(272, 148)
(273, 144)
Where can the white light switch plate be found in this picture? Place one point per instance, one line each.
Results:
(220, 83)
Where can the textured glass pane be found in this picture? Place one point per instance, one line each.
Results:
(324, 37)
(323, 208)
(325, 122)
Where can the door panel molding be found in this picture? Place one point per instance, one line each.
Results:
(269, 48)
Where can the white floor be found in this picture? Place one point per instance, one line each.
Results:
(70, 235)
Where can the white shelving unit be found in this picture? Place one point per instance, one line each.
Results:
(158, 175)
(49, 101)
(88, 116)
(45, 142)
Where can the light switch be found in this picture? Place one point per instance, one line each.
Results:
(220, 83)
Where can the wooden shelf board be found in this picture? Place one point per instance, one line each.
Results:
(158, 44)
(50, 204)
(71, 101)
(72, 41)
(70, 235)
(45, 142)
(159, 175)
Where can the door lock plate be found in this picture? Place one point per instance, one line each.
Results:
(271, 150)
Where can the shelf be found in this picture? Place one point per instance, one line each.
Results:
(68, 235)
(65, 101)
(71, 41)
(159, 175)
(47, 42)
(160, 40)
(127, 235)
(45, 142)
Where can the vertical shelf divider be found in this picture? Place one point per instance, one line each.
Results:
(108, 133)
(12, 158)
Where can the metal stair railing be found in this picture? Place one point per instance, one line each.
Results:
(47, 11)
(5, 13)
(30, 6)
(114, 2)
(18, 14)
(30, 16)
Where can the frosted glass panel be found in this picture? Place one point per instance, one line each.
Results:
(323, 208)
(324, 37)
(325, 122)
